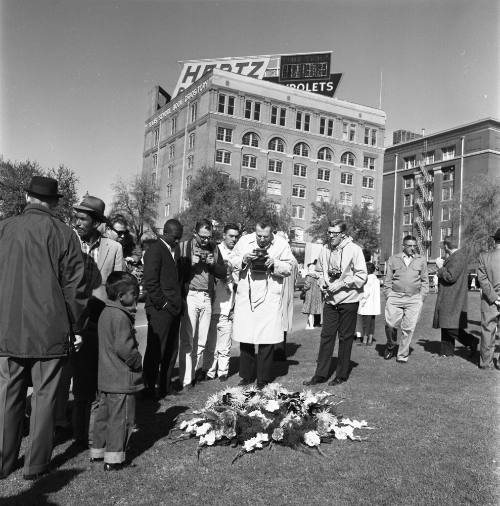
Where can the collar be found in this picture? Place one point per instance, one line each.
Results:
(94, 244)
(38, 207)
(118, 305)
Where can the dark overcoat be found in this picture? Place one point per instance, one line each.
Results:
(451, 302)
(42, 286)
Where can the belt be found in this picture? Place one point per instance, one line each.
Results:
(198, 290)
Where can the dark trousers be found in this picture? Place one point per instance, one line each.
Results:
(448, 337)
(367, 324)
(113, 426)
(15, 375)
(162, 347)
(342, 319)
(256, 366)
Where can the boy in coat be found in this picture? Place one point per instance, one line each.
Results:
(119, 372)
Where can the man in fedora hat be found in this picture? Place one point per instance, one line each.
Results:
(101, 257)
(488, 275)
(41, 300)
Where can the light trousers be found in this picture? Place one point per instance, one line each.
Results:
(402, 311)
(220, 334)
(490, 319)
(195, 323)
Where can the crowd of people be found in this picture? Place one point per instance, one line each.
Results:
(67, 310)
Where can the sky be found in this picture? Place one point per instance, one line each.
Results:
(75, 74)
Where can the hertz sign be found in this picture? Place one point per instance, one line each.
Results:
(309, 72)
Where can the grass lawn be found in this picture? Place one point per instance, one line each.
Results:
(437, 441)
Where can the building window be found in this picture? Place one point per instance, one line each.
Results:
(275, 166)
(299, 169)
(249, 161)
(429, 157)
(408, 218)
(347, 158)
(226, 104)
(224, 175)
(278, 115)
(445, 213)
(224, 134)
(348, 131)
(251, 139)
(325, 154)
(410, 162)
(297, 234)
(170, 171)
(371, 136)
(276, 144)
(153, 178)
(346, 198)
(445, 231)
(156, 136)
(299, 191)
(190, 161)
(369, 162)
(252, 110)
(408, 182)
(193, 111)
(248, 183)
(223, 156)
(326, 126)
(448, 153)
(173, 125)
(171, 151)
(189, 180)
(324, 174)
(274, 188)
(298, 212)
(408, 199)
(367, 201)
(169, 190)
(447, 193)
(346, 178)
(155, 161)
(367, 182)
(192, 138)
(322, 195)
(448, 174)
(167, 210)
(301, 149)
(302, 121)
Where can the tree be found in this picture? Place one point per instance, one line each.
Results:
(214, 196)
(136, 200)
(479, 213)
(15, 178)
(362, 223)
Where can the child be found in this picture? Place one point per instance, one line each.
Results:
(119, 372)
(312, 301)
(369, 304)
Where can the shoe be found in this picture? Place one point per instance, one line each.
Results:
(388, 353)
(200, 375)
(261, 384)
(223, 378)
(113, 467)
(336, 381)
(245, 382)
(34, 476)
(314, 381)
(370, 341)
(96, 459)
(402, 360)
(472, 350)
(188, 387)
(309, 328)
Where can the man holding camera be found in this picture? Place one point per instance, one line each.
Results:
(342, 268)
(200, 264)
(260, 261)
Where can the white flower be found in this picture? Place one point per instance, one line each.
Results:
(344, 432)
(278, 434)
(210, 438)
(263, 419)
(183, 424)
(263, 436)
(312, 438)
(203, 429)
(255, 442)
(272, 406)
(354, 423)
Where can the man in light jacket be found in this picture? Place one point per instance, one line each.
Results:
(342, 268)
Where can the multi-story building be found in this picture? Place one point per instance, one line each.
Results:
(422, 176)
(303, 147)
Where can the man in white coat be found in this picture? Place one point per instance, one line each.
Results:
(260, 261)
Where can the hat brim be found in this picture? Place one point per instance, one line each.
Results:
(90, 211)
(35, 194)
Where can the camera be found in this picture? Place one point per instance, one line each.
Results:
(202, 253)
(333, 275)
(259, 263)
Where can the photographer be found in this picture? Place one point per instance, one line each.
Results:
(199, 263)
(342, 275)
(260, 262)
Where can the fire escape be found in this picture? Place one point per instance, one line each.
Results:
(423, 203)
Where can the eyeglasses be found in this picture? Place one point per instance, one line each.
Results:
(203, 237)
(119, 232)
(333, 233)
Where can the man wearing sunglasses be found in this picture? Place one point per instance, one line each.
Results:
(200, 264)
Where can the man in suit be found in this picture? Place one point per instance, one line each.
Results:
(163, 307)
(101, 256)
(450, 314)
(488, 275)
(41, 300)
